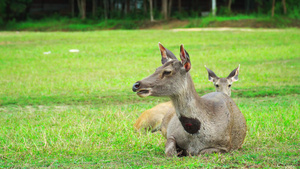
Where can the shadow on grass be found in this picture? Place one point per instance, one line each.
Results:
(124, 97)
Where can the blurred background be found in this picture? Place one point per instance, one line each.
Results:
(48, 15)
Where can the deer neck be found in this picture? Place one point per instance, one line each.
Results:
(187, 101)
(188, 106)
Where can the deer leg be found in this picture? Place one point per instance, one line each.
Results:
(170, 149)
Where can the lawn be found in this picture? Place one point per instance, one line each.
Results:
(77, 109)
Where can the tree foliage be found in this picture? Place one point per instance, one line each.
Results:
(152, 9)
(14, 9)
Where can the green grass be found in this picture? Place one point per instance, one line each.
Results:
(71, 24)
(77, 109)
(205, 21)
(262, 21)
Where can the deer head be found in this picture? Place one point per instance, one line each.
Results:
(169, 78)
(223, 84)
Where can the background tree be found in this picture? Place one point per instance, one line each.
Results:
(127, 6)
(72, 6)
(82, 8)
(141, 9)
(166, 7)
(94, 7)
(273, 7)
(284, 6)
(214, 7)
(229, 5)
(170, 8)
(151, 10)
(179, 6)
(105, 4)
(145, 6)
(14, 9)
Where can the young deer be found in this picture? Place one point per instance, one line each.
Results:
(158, 117)
(223, 84)
(207, 124)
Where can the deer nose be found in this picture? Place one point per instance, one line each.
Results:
(136, 86)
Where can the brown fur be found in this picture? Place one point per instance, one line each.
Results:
(158, 117)
(150, 120)
(222, 127)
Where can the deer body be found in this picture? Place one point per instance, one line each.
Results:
(212, 123)
(158, 117)
(221, 85)
(222, 126)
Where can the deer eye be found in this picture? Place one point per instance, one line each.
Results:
(217, 85)
(229, 85)
(166, 72)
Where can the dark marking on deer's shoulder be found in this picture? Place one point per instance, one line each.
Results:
(190, 125)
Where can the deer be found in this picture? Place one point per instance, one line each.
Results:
(158, 117)
(212, 123)
(221, 85)
(151, 119)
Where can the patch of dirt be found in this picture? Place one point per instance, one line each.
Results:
(243, 23)
(5, 43)
(252, 23)
(227, 29)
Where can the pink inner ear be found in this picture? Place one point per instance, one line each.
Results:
(211, 79)
(187, 66)
(162, 51)
(161, 47)
(236, 74)
(182, 53)
(233, 79)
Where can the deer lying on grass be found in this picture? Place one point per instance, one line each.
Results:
(158, 117)
(208, 124)
(151, 120)
(221, 85)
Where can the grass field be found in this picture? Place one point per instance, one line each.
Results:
(77, 109)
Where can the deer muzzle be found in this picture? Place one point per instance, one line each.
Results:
(136, 86)
(142, 92)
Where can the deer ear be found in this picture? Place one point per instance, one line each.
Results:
(166, 55)
(234, 74)
(185, 59)
(211, 74)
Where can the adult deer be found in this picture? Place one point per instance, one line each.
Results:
(207, 124)
(221, 85)
(158, 117)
